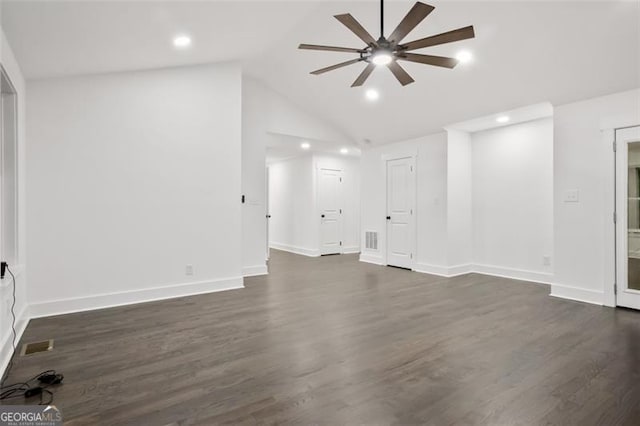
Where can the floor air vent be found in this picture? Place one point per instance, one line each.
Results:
(35, 347)
(371, 240)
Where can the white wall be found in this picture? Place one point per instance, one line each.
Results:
(459, 200)
(431, 199)
(266, 112)
(512, 168)
(484, 200)
(295, 220)
(254, 133)
(583, 161)
(132, 176)
(21, 309)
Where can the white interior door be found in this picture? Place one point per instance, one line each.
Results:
(400, 207)
(330, 206)
(628, 217)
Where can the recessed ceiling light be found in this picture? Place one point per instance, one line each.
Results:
(372, 94)
(182, 41)
(305, 145)
(503, 119)
(464, 57)
(344, 151)
(381, 58)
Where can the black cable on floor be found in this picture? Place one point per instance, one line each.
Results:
(16, 390)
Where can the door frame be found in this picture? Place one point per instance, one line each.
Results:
(412, 154)
(319, 168)
(15, 141)
(267, 213)
(621, 209)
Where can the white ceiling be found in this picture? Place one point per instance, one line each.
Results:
(514, 116)
(66, 37)
(284, 147)
(525, 52)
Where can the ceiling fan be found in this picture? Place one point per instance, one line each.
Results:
(389, 50)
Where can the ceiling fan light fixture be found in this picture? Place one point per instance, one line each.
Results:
(382, 57)
(390, 50)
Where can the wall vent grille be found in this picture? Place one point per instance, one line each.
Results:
(371, 240)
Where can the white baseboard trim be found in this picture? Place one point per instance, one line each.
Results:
(495, 271)
(514, 274)
(443, 271)
(351, 250)
(110, 300)
(457, 270)
(371, 258)
(577, 294)
(425, 268)
(295, 250)
(6, 348)
(252, 271)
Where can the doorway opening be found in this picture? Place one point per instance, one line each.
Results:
(313, 196)
(627, 290)
(8, 171)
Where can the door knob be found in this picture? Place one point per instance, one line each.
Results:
(388, 217)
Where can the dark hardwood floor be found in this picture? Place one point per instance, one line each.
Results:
(334, 341)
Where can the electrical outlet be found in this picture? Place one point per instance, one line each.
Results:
(546, 260)
(188, 270)
(572, 196)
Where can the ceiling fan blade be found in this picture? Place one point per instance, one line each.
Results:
(403, 77)
(418, 12)
(364, 75)
(329, 48)
(438, 61)
(333, 67)
(351, 23)
(448, 37)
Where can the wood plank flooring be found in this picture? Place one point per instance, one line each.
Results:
(335, 341)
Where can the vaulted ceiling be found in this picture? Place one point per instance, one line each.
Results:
(525, 52)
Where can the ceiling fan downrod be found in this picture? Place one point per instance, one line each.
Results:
(381, 19)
